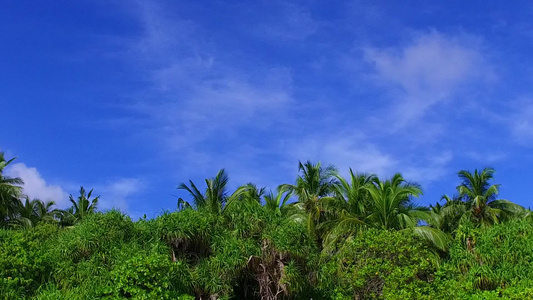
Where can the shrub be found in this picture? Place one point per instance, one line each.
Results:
(379, 264)
(25, 262)
(151, 276)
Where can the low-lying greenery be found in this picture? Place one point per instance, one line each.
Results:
(361, 238)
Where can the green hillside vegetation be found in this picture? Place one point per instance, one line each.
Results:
(321, 237)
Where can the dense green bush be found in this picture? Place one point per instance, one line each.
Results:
(247, 253)
(340, 239)
(25, 261)
(498, 261)
(289, 252)
(86, 253)
(98, 234)
(380, 264)
(149, 276)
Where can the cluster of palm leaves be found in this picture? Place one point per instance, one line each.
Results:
(476, 200)
(335, 208)
(18, 210)
(324, 233)
(10, 191)
(332, 207)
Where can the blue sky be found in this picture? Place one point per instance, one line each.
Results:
(133, 97)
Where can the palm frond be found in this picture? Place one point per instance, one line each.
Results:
(434, 236)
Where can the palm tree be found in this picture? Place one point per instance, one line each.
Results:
(45, 211)
(350, 207)
(480, 197)
(215, 194)
(353, 196)
(25, 213)
(32, 212)
(447, 217)
(10, 191)
(277, 203)
(392, 205)
(253, 193)
(81, 207)
(215, 198)
(313, 188)
(392, 208)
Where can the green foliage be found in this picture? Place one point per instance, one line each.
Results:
(107, 256)
(285, 263)
(82, 207)
(391, 206)
(378, 264)
(277, 203)
(494, 258)
(290, 237)
(246, 218)
(98, 234)
(151, 276)
(357, 239)
(215, 197)
(187, 233)
(10, 190)
(221, 271)
(216, 251)
(313, 187)
(479, 197)
(31, 212)
(86, 253)
(25, 262)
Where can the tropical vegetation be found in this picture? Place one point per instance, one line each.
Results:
(322, 237)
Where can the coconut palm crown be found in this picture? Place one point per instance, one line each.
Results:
(480, 196)
(10, 191)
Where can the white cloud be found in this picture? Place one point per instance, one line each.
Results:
(36, 187)
(114, 194)
(431, 69)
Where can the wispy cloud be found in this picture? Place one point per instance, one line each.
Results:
(487, 157)
(197, 93)
(217, 103)
(521, 121)
(428, 170)
(357, 152)
(116, 193)
(207, 105)
(344, 151)
(290, 22)
(430, 69)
